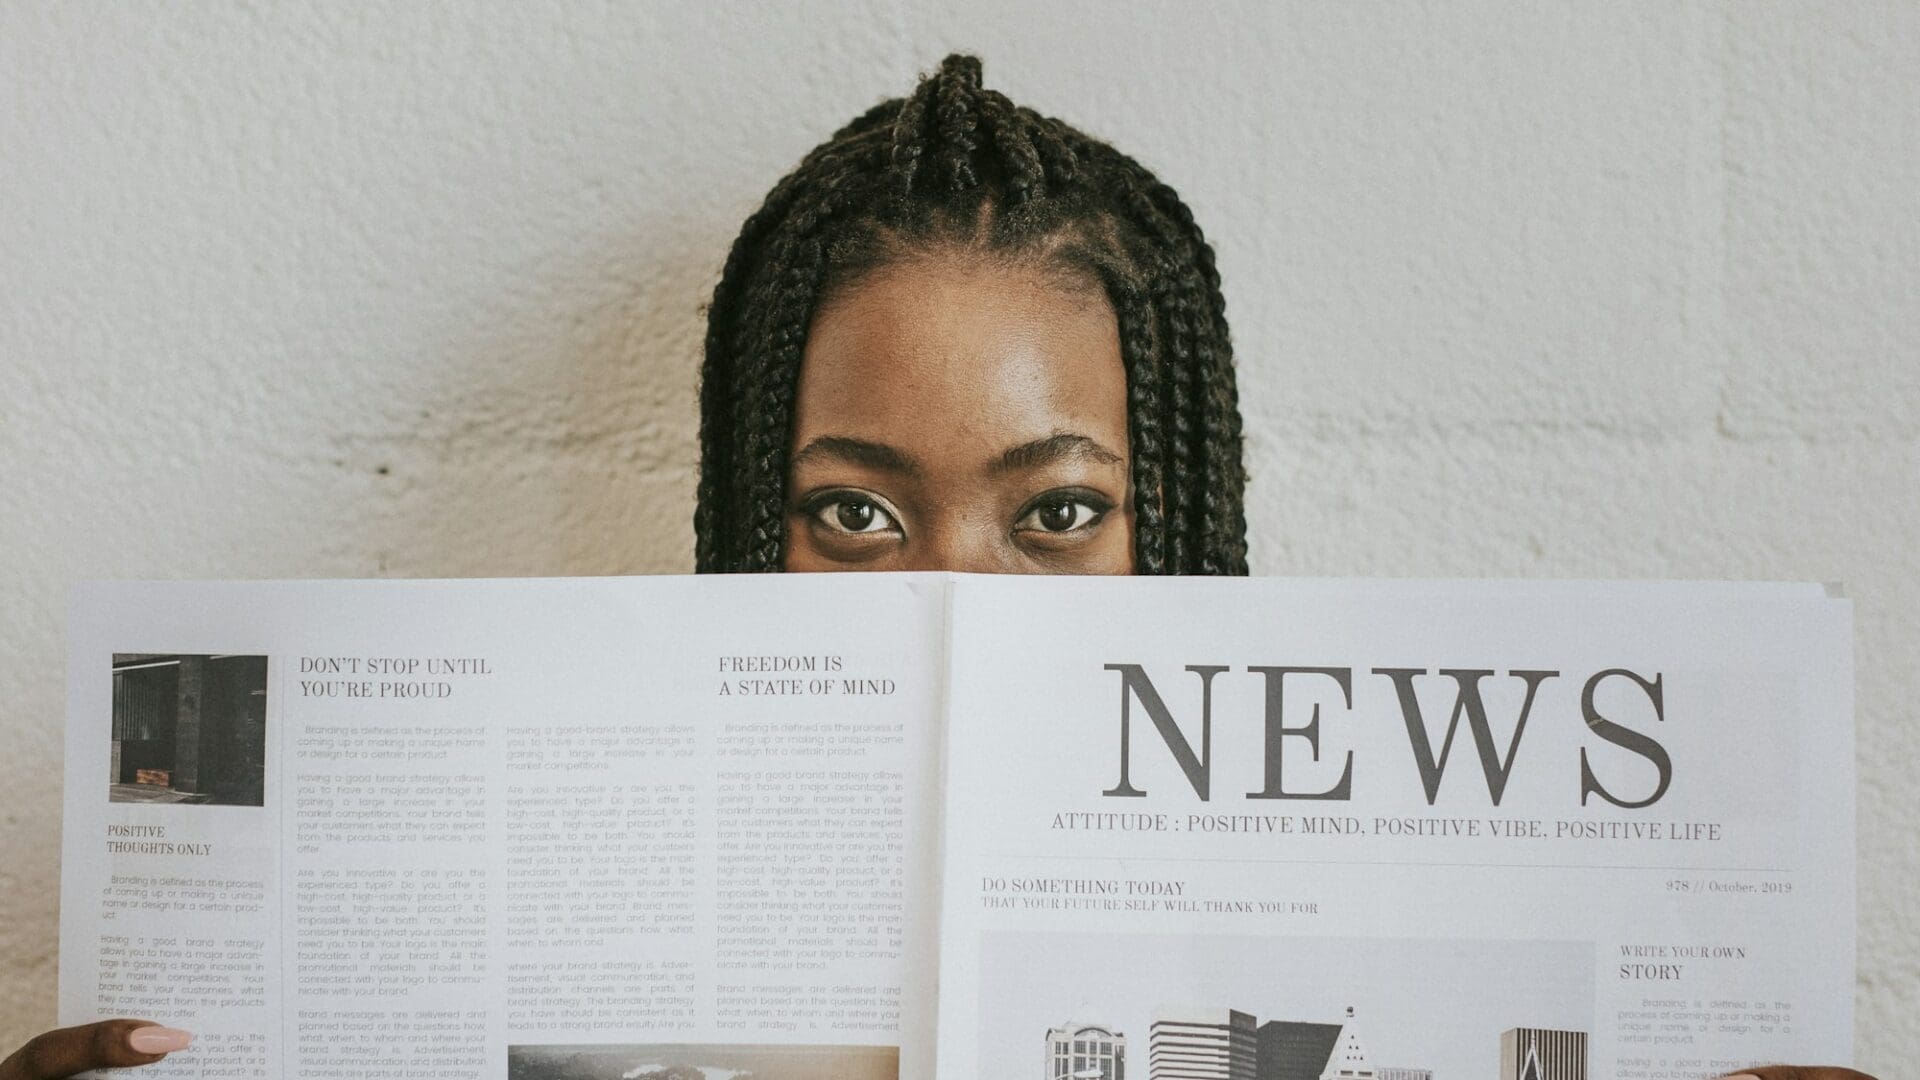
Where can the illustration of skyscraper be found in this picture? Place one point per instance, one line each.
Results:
(1349, 1057)
(1086, 1052)
(1291, 1050)
(1543, 1054)
(1202, 1044)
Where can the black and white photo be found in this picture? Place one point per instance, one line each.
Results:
(189, 729)
(1176, 1007)
(695, 1061)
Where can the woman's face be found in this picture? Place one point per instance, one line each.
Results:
(958, 413)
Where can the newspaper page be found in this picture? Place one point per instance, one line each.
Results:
(1300, 830)
(619, 828)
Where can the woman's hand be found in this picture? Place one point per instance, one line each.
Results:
(105, 1045)
(1776, 1073)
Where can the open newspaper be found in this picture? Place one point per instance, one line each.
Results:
(859, 827)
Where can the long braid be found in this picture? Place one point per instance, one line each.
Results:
(716, 511)
(1134, 313)
(758, 367)
(909, 140)
(957, 165)
(957, 119)
(767, 395)
(714, 508)
(1049, 137)
(1179, 318)
(1205, 483)
(1218, 419)
(1013, 140)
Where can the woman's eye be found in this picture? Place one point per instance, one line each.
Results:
(1061, 513)
(850, 513)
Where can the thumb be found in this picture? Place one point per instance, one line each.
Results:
(104, 1045)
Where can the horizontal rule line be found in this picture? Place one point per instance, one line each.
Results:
(1386, 862)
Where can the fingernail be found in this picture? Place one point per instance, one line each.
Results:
(158, 1040)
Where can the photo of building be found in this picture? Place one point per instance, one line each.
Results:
(1542, 1054)
(1248, 1007)
(1292, 1050)
(1085, 1052)
(1203, 1044)
(188, 729)
(1210, 1043)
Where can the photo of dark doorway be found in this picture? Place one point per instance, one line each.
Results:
(189, 729)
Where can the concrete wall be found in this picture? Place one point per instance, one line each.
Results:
(311, 289)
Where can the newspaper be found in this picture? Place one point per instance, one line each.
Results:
(868, 826)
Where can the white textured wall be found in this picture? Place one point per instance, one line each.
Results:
(1590, 290)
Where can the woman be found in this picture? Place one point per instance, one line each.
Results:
(949, 301)
(959, 336)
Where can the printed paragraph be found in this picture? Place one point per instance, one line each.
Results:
(179, 975)
(787, 1008)
(422, 808)
(579, 748)
(810, 867)
(593, 863)
(202, 895)
(350, 1043)
(330, 743)
(600, 995)
(383, 932)
(828, 739)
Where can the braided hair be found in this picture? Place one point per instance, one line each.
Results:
(957, 166)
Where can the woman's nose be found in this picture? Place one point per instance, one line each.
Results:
(964, 549)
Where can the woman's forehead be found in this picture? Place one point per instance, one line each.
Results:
(962, 358)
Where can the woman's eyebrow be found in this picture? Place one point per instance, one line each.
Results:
(873, 455)
(1055, 448)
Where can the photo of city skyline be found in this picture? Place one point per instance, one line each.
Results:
(1159, 1007)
